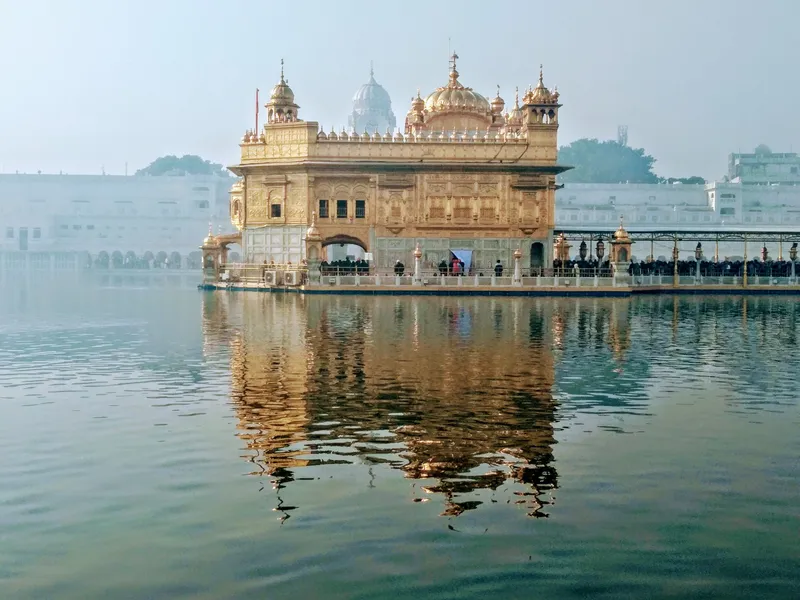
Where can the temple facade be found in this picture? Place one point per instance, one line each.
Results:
(464, 177)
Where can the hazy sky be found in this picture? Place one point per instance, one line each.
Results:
(88, 84)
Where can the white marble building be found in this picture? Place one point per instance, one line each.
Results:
(715, 206)
(157, 218)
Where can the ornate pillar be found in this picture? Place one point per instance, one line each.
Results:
(313, 250)
(517, 267)
(417, 266)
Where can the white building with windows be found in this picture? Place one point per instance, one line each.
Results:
(676, 206)
(113, 219)
(715, 206)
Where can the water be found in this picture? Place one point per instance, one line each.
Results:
(163, 442)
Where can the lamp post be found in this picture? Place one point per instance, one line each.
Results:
(583, 251)
(698, 254)
(744, 275)
(600, 249)
(517, 267)
(675, 255)
(793, 258)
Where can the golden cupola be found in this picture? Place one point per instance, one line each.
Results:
(498, 104)
(281, 107)
(454, 107)
(514, 118)
(540, 94)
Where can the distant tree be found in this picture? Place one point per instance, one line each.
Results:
(763, 149)
(188, 164)
(605, 162)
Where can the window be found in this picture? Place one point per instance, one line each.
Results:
(727, 212)
(37, 233)
(706, 217)
(361, 209)
(276, 211)
(573, 217)
(727, 196)
(90, 227)
(654, 218)
(695, 218)
(77, 227)
(323, 209)
(202, 203)
(341, 209)
(9, 232)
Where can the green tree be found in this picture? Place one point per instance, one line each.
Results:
(608, 161)
(188, 164)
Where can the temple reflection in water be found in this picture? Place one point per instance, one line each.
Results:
(456, 393)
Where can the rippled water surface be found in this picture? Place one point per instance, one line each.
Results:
(157, 441)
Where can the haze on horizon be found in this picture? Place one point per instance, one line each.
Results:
(91, 84)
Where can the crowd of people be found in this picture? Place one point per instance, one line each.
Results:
(344, 267)
(686, 268)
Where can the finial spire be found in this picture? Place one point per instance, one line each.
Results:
(498, 90)
(541, 73)
(281, 70)
(371, 70)
(516, 97)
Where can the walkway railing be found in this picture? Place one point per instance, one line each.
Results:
(288, 275)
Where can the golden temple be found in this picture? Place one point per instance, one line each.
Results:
(463, 173)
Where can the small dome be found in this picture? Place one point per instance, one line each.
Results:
(540, 94)
(515, 117)
(417, 104)
(498, 104)
(281, 93)
(621, 234)
(312, 233)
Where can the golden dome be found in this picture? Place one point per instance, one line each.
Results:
(417, 104)
(540, 94)
(515, 116)
(281, 93)
(498, 103)
(621, 234)
(456, 97)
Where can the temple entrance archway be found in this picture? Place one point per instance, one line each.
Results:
(537, 255)
(340, 247)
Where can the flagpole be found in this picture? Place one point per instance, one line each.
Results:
(256, 131)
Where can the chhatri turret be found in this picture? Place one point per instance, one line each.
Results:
(281, 107)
